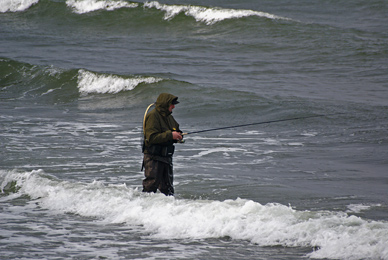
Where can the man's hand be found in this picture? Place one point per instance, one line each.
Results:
(177, 136)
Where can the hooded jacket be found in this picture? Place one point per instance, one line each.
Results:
(159, 123)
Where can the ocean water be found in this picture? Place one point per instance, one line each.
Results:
(76, 77)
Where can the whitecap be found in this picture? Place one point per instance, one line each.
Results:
(86, 6)
(16, 5)
(89, 82)
(208, 15)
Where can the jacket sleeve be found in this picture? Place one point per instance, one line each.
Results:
(154, 134)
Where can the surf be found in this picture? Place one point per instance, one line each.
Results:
(202, 14)
(86, 6)
(330, 234)
(16, 5)
(89, 82)
(48, 81)
(207, 15)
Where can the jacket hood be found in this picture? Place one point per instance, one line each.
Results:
(163, 103)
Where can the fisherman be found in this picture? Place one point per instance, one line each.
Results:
(161, 131)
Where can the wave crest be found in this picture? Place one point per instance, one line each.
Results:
(86, 6)
(89, 82)
(203, 14)
(208, 15)
(16, 5)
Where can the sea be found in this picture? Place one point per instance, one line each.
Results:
(285, 104)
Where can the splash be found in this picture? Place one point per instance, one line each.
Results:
(89, 82)
(207, 15)
(16, 5)
(334, 235)
(86, 6)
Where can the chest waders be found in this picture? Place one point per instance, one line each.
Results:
(166, 185)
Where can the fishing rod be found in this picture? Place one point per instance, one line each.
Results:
(258, 123)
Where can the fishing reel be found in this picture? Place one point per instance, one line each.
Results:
(183, 134)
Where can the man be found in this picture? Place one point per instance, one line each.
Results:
(161, 131)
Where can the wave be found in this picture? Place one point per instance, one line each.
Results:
(207, 15)
(329, 234)
(52, 85)
(86, 6)
(89, 82)
(203, 14)
(25, 81)
(16, 5)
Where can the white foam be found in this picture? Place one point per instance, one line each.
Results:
(309, 134)
(335, 234)
(47, 92)
(271, 141)
(357, 208)
(208, 15)
(16, 5)
(295, 144)
(225, 151)
(251, 132)
(86, 6)
(89, 82)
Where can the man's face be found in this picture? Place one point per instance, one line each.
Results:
(171, 108)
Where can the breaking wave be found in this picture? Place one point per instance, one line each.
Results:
(43, 81)
(89, 82)
(206, 14)
(86, 6)
(330, 234)
(16, 5)
(203, 14)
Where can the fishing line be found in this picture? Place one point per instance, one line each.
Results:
(259, 123)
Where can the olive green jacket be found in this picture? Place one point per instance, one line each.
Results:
(159, 123)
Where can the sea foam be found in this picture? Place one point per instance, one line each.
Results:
(86, 6)
(89, 82)
(334, 235)
(208, 15)
(16, 5)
